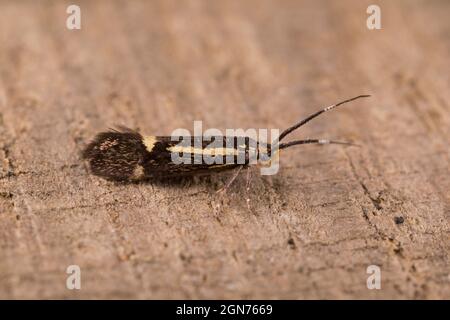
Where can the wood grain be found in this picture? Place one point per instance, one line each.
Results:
(311, 230)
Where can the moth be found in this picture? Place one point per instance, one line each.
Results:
(126, 155)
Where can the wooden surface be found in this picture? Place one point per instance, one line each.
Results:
(311, 230)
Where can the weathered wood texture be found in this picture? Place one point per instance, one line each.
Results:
(311, 230)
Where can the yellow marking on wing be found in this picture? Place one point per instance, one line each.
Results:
(149, 142)
(206, 151)
(138, 173)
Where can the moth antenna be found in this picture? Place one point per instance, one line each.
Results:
(307, 119)
(314, 141)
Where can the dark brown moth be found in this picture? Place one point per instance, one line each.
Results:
(126, 155)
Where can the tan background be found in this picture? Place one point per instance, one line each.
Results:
(312, 229)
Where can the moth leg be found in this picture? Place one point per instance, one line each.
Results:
(230, 181)
(247, 186)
